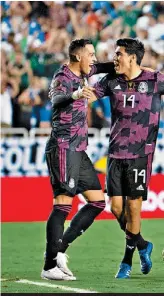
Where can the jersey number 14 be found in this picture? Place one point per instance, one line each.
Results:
(129, 99)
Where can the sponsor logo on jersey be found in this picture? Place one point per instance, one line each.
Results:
(130, 247)
(140, 188)
(117, 87)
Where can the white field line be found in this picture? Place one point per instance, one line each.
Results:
(64, 288)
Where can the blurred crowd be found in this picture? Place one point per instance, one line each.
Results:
(35, 39)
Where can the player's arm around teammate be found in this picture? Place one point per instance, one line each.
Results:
(130, 148)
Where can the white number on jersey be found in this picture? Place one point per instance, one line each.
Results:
(129, 99)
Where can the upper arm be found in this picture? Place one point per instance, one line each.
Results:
(101, 87)
(60, 90)
(58, 86)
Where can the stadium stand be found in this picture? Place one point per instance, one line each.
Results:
(35, 38)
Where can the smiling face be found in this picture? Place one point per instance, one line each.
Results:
(122, 60)
(87, 58)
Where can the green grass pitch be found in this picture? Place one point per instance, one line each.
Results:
(94, 259)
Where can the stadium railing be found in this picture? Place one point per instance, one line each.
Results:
(14, 131)
(33, 132)
(93, 133)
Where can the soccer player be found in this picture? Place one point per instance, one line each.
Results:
(135, 106)
(70, 169)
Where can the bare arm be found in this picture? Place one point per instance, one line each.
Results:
(29, 71)
(14, 87)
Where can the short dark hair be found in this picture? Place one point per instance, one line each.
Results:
(75, 45)
(132, 46)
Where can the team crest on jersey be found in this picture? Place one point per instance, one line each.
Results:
(71, 183)
(143, 87)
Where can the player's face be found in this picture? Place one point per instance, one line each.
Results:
(88, 58)
(122, 60)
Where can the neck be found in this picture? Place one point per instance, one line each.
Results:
(132, 72)
(75, 68)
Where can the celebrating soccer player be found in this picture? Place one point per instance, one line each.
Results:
(135, 105)
(70, 169)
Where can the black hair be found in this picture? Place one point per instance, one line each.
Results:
(75, 45)
(132, 46)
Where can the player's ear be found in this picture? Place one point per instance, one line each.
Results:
(133, 58)
(78, 57)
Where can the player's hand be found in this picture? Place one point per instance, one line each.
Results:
(88, 94)
(77, 94)
(91, 100)
(88, 88)
(147, 69)
(81, 93)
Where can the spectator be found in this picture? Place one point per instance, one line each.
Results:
(33, 108)
(129, 15)
(9, 90)
(36, 34)
(21, 70)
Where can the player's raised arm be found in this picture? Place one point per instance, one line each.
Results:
(107, 67)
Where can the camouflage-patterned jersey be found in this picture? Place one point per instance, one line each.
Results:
(69, 117)
(135, 108)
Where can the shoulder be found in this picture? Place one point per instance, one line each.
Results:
(60, 73)
(107, 78)
(61, 80)
(160, 76)
(149, 75)
(60, 77)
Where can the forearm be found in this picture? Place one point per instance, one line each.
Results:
(107, 67)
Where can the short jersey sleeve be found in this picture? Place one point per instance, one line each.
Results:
(101, 87)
